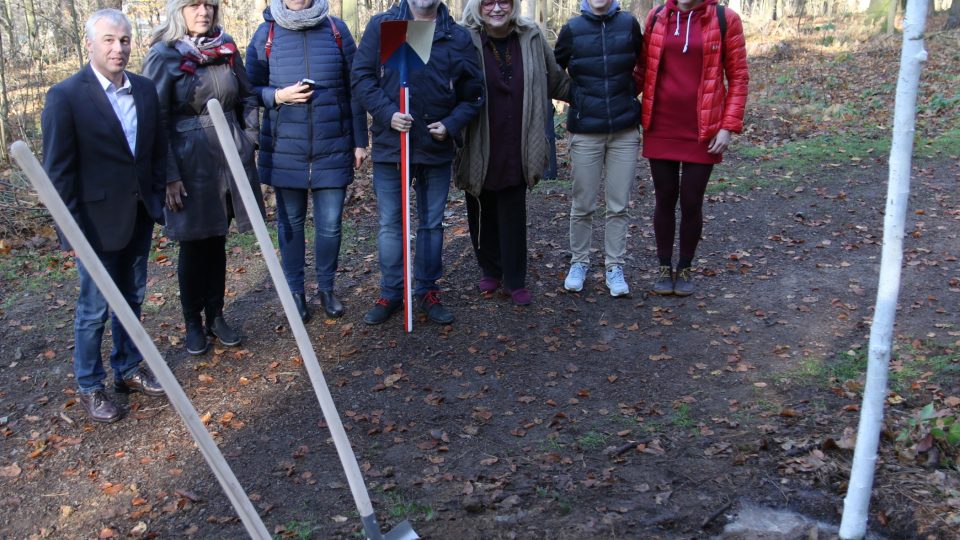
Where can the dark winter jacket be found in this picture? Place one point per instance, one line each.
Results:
(195, 155)
(449, 89)
(599, 52)
(306, 145)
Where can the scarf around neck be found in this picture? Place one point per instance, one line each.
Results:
(206, 49)
(299, 20)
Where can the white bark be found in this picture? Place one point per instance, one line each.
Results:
(310, 362)
(857, 502)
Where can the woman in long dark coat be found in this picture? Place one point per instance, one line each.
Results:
(192, 60)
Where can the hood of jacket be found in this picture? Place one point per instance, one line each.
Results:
(672, 7)
(614, 7)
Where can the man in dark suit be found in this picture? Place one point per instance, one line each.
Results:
(105, 153)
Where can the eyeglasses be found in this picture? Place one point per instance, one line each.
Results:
(490, 4)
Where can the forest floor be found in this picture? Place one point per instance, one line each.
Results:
(580, 416)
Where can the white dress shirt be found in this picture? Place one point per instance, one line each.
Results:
(121, 99)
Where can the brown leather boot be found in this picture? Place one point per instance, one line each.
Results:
(141, 381)
(99, 406)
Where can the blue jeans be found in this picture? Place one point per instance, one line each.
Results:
(128, 269)
(431, 186)
(327, 216)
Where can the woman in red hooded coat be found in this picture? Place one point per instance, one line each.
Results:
(693, 74)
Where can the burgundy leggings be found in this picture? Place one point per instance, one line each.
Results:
(670, 187)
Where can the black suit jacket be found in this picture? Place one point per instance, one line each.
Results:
(87, 157)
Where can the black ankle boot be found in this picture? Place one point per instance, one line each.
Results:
(196, 340)
(331, 306)
(300, 299)
(227, 336)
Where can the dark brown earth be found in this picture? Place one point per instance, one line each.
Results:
(581, 416)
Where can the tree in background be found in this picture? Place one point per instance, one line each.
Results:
(953, 19)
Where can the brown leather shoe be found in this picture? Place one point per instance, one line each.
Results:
(141, 381)
(99, 406)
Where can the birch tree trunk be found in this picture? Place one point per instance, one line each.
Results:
(892, 15)
(857, 501)
(528, 9)
(351, 15)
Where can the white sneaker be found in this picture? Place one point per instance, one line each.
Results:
(575, 277)
(616, 283)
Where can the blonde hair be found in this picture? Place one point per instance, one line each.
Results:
(472, 19)
(174, 26)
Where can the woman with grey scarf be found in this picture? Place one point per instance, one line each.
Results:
(192, 60)
(312, 137)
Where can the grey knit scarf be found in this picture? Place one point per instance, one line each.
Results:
(299, 20)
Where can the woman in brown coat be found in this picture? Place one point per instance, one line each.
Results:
(505, 148)
(192, 60)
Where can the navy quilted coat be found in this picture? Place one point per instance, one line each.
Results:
(306, 145)
(448, 90)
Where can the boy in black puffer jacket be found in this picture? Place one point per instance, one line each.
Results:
(598, 49)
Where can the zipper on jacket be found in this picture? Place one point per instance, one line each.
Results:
(606, 73)
(306, 63)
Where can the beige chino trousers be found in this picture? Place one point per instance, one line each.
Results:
(613, 158)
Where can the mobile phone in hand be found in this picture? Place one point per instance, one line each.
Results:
(308, 82)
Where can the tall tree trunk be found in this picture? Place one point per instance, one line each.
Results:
(351, 15)
(4, 103)
(76, 35)
(8, 26)
(953, 19)
(529, 9)
(29, 12)
(857, 501)
(892, 15)
(104, 4)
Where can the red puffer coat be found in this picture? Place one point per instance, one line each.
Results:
(721, 107)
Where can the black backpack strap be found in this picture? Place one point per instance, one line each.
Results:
(649, 28)
(722, 19)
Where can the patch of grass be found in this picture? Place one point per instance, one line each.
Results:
(784, 165)
(623, 421)
(551, 444)
(681, 417)
(947, 143)
(929, 361)
(33, 272)
(300, 530)
(402, 507)
(593, 440)
(248, 241)
(652, 426)
(563, 503)
(848, 365)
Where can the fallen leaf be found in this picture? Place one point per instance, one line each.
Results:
(10, 471)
